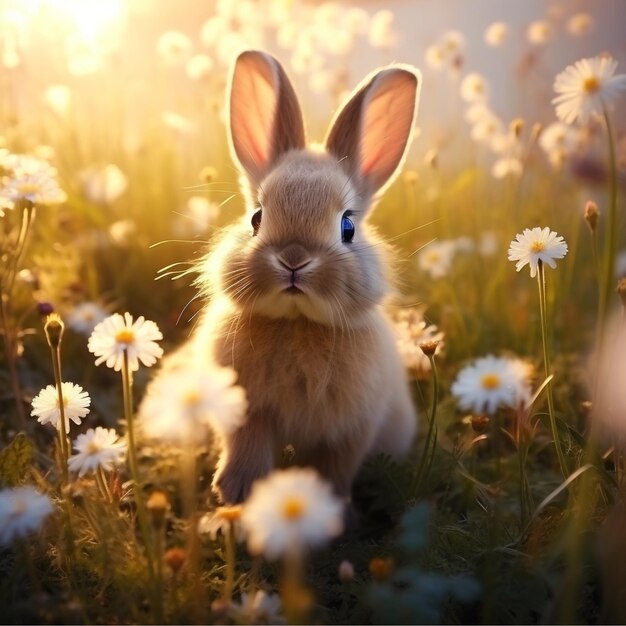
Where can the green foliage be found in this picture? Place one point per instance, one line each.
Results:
(16, 460)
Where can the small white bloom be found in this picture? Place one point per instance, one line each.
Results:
(490, 383)
(435, 56)
(507, 166)
(99, 447)
(558, 136)
(539, 32)
(84, 317)
(453, 42)
(58, 98)
(436, 259)
(104, 185)
(538, 244)
(76, 403)
(486, 128)
(381, 34)
(259, 607)
(579, 24)
(587, 88)
(173, 47)
(474, 88)
(199, 215)
(199, 66)
(218, 523)
(177, 122)
(290, 511)
(181, 405)
(496, 34)
(411, 331)
(123, 232)
(116, 335)
(22, 511)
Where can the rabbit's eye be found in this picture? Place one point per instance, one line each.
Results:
(256, 221)
(347, 227)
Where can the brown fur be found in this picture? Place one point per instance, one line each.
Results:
(320, 368)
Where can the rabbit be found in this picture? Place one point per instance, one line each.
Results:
(296, 288)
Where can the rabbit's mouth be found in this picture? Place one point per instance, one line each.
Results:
(293, 290)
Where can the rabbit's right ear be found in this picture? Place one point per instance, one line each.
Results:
(265, 116)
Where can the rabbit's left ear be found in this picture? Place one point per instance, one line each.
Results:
(370, 134)
(265, 116)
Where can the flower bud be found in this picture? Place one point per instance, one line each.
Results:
(517, 126)
(174, 559)
(429, 348)
(346, 572)
(381, 568)
(592, 213)
(54, 328)
(158, 506)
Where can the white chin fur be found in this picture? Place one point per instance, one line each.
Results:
(290, 306)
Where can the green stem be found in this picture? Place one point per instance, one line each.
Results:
(611, 231)
(541, 282)
(62, 430)
(134, 467)
(230, 562)
(420, 475)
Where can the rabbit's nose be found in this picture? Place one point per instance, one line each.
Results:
(294, 257)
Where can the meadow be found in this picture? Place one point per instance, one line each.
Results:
(509, 310)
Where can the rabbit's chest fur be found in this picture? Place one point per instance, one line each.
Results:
(315, 382)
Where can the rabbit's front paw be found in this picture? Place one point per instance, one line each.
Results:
(233, 483)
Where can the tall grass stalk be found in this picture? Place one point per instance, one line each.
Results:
(611, 234)
(541, 283)
(134, 466)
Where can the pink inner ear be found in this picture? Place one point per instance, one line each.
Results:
(386, 127)
(253, 107)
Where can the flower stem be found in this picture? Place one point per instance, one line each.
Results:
(541, 282)
(611, 232)
(55, 351)
(230, 562)
(431, 434)
(134, 467)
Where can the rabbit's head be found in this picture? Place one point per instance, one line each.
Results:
(304, 247)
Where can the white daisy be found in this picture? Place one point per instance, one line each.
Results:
(99, 447)
(219, 521)
(435, 56)
(75, 404)
(538, 244)
(116, 335)
(184, 403)
(84, 317)
(436, 258)
(22, 511)
(381, 33)
(199, 67)
(586, 88)
(411, 331)
(490, 383)
(290, 511)
(32, 179)
(558, 137)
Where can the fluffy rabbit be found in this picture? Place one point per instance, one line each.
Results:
(295, 289)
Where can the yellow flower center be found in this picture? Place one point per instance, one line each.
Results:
(230, 513)
(434, 256)
(490, 381)
(191, 397)
(28, 188)
(537, 246)
(591, 84)
(126, 336)
(293, 508)
(19, 507)
(93, 447)
(65, 401)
